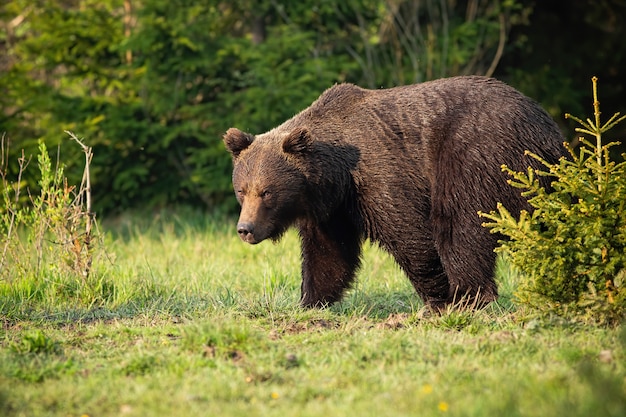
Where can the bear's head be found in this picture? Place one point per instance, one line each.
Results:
(269, 180)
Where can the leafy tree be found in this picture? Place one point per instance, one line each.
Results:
(62, 65)
(414, 41)
(152, 85)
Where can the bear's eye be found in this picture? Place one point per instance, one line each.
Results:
(265, 194)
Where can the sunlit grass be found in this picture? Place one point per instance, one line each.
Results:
(181, 318)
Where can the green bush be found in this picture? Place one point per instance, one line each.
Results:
(572, 247)
(55, 232)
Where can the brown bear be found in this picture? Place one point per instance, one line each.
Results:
(408, 167)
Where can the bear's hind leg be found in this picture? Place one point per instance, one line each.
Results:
(468, 259)
(429, 280)
(466, 184)
(330, 258)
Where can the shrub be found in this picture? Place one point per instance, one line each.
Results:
(51, 232)
(572, 247)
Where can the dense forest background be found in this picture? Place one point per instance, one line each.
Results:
(152, 85)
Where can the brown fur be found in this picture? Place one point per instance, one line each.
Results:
(408, 167)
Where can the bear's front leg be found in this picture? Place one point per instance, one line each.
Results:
(331, 255)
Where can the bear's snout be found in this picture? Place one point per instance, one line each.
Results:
(246, 232)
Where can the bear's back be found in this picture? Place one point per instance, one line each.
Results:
(465, 116)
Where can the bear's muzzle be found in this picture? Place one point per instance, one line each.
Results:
(246, 232)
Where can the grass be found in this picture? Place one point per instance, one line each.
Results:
(181, 318)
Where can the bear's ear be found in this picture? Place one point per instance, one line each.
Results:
(298, 141)
(236, 141)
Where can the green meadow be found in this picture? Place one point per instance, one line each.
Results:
(179, 317)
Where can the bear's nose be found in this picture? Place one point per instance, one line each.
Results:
(244, 229)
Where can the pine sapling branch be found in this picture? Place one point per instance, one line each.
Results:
(612, 121)
(597, 129)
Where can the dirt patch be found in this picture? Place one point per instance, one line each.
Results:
(395, 321)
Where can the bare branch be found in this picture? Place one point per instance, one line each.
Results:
(85, 189)
(500, 50)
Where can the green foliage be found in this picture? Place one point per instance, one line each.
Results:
(155, 84)
(35, 342)
(49, 244)
(572, 248)
(456, 319)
